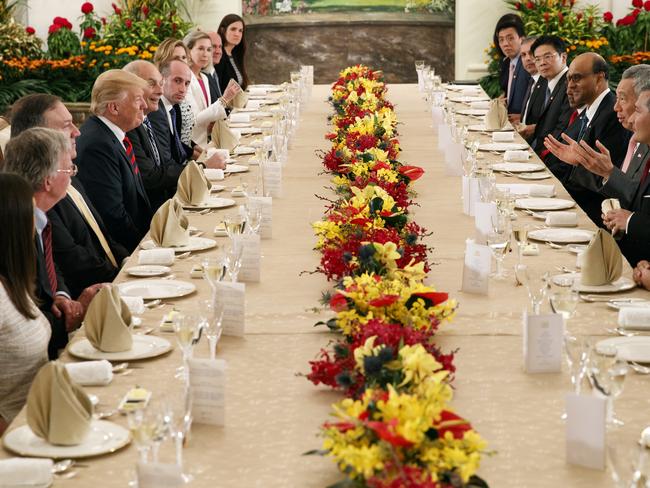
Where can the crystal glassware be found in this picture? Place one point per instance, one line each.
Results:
(607, 373)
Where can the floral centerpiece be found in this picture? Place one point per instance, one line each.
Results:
(629, 36)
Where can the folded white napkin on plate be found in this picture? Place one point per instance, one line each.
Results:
(244, 150)
(135, 304)
(213, 174)
(25, 472)
(516, 156)
(256, 90)
(162, 256)
(634, 318)
(480, 104)
(503, 136)
(240, 118)
(217, 150)
(254, 104)
(91, 373)
(547, 191)
(562, 219)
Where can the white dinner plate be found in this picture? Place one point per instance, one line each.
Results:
(144, 347)
(235, 168)
(148, 270)
(472, 111)
(543, 203)
(482, 128)
(196, 244)
(621, 284)
(635, 349)
(629, 303)
(154, 289)
(469, 99)
(517, 167)
(212, 202)
(103, 437)
(239, 125)
(540, 175)
(250, 130)
(502, 146)
(561, 235)
(239, 150)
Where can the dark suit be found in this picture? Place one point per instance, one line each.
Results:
(114, 187)
(215, 88)
(535, 102)
(159, 180)
(625, 185)
(45, 296)
(77, 250)
(635, 245)
(166, 140)
(225, 73)
(554, 118)
(583, 185)
(518, 85)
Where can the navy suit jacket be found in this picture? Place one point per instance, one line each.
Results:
(115, 189)
(518, 86)
(164, 136)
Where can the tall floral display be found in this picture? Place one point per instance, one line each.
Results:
(395, 427)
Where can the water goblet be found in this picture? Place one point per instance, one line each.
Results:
(180, 412)
(498, 240)
(520, 233)
(607, 374)
(234, 224)
(215, 310)
(186, 326)
(233, 258)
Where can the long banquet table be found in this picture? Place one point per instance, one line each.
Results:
(273, 414)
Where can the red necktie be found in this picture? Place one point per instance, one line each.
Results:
(646, 168)
(130, 155)
(573, 117)
(49, 260)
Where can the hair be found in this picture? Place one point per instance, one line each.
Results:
(166, 49)
(29, 111)
(638, 74)
(112, 86)
(554, 41)
(599, 65)
(135, 67)
(528, 39)
(166, 67)
(506, 21)
(643, 86)
(239, 51)
(18, 257)
(191, 39)
(35, 154)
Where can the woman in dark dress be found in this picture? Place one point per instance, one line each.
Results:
(232, 65)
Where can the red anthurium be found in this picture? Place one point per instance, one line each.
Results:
(450, 422)
(338, 303)
(435, 296)
(386, 432)
(412, 172)
(383, 301)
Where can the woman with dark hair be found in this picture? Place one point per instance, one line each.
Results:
(24, 330)
(232, 65)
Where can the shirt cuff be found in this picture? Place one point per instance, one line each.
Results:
(63, 294)
(627, 223)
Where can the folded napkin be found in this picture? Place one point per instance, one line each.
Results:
(240, 100)
(193, 186)
(602, 261)
(91, 373)
(213, 174)
(482, 105)
(244, 150)
(215, 150)
(531, 190)
(107, 321)
(161, 256)
(254, 104)
(547, 191)
(223, 137)
(503, 136)
(257, 90)
(610, 204)
(169, 225)
(516, 156)
(58, 410)
(634, 318)
(240, 118)
(135, 304)
(25, 472)
(497, 116)
(561, 219)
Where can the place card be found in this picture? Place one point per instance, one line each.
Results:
(586, 430)
(250, 258)
(444, 136)
(471, 194)
(437, 114)
(476, 270)
(234, 297)
(266, 227)
(485, 214)
(272, 174)
(208, 390)
(543, 338)
(159, 475)
(454, 159)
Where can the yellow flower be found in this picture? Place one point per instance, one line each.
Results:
(387, 254)
(368, 349)
(418, 364)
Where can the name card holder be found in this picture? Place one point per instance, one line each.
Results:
(476, 269)
(234, 314)
(208, 390)
(159, 475)
(471, 194)
(272, 174)
(542, 343)
(586, 430)
(485, 214)
(266, 227)
(250, 258)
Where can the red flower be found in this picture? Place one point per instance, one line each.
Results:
(608, 17)
(30, 30)
(87, 8)
(636, 12)
(117, 9)
(412, 172)
(103, 20)
(547, 17)
(434, 296)
(89, 33)
(530, 6)
(579, 16)
(338, 303)
(646, 5)
(53, 28)
(450, 422)
(386, 431)
(158, 22)
(560, 17)
(128, 23)
(627, 20)
(637, 3)
(383, 301)
(62, 22)
(174, 26)
(145, 10)
(517, 6)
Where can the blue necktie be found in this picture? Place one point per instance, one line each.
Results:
(583, 125)
(152, 140)
(177, 139)
(547, 97)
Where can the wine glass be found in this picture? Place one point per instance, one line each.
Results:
(235, 224)
(214, 269)
(180, 413)
(564, 302)
(498, 240)
(186, 326)
(254, 212)
(213, 311)
(536, 282)
(161, 421)
(234, 257)
(607, 375)
(142, 427)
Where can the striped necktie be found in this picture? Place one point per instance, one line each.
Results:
(152, 140)
(130, 155)
(46, 235)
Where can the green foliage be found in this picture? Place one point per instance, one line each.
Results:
(62, 44)
(15, 41)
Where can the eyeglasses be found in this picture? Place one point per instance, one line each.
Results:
(70, 171)
(577, 77)
(548, 57)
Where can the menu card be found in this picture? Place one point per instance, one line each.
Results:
(586, 430)
(471, 195)
(208, 389)
(266, 228)
(250, 258)
(476, 270)
(454, 159)
(159, 475)
(543, 338)
(233, 295)
(444, 136)
(272, 173)
(485, 213)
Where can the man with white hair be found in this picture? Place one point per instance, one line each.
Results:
(107, 164)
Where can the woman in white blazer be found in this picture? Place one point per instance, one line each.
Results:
(198, 96)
